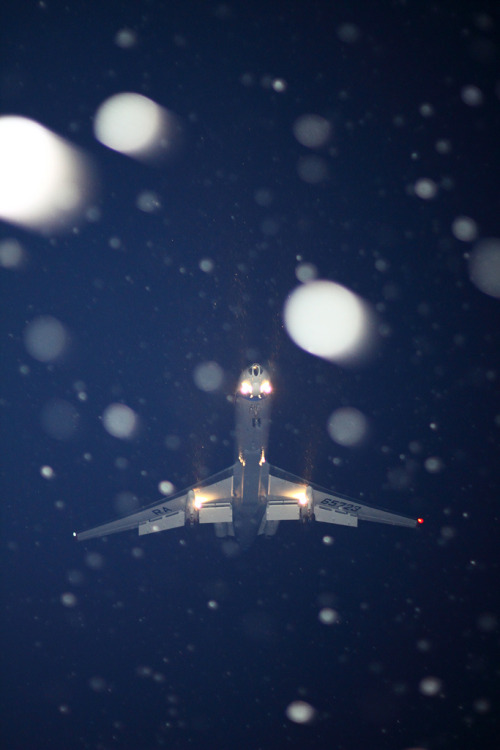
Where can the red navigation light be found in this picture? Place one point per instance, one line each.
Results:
(420, 520)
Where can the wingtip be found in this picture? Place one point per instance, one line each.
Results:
(75, 536)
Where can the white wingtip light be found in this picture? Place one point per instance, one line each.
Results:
(329, 321)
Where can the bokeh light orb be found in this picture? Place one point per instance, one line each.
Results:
(327, 320)
(45, 182)
(45, 338)
(484, 266)
(137, 126)
(347, 426)
(120, 421)
(127, 122)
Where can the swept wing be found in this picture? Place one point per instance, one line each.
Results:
(209, 501)
(294, 498)
(289, 498)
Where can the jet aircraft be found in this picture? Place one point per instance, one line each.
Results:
(250, 497)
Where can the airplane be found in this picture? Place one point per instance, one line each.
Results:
(251, 497)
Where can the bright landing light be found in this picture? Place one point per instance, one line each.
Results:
(266, 387)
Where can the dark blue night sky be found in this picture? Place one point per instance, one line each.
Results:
(163, 641)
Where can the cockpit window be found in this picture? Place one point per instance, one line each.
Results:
(255, 370)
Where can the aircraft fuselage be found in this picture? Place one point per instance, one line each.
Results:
(251, 477)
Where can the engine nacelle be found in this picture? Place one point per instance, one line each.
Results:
(192, 512)
(307, 505)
